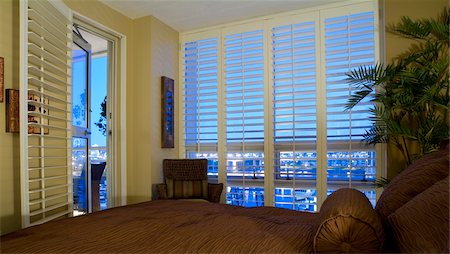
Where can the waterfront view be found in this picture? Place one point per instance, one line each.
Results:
(295, 176)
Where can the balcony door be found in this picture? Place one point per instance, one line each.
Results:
(81, 133)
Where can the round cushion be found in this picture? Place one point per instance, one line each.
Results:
(348, 223)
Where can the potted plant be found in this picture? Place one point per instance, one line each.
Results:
(411, 94)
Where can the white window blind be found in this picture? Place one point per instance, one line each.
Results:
(294, 115)
(45, 123)
(286, 138)
(244, 85)
(200, 102)
(349, 43)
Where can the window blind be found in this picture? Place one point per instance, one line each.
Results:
(294, 115)
(286, 138)
(244, 96)
(200, 102)
(349, 43)
(45, 132)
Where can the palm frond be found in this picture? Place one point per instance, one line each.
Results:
(418, 54)
(440, 27)
(356, 97)
(409, 28)
(432, 130)
(423, 29)
(382, 182)
(376, 135)
(364, 79)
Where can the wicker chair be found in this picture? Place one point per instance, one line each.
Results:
(187, 179)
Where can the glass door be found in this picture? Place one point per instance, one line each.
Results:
(93, 59)
(81, 133)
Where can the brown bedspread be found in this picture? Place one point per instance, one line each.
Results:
(170, 226)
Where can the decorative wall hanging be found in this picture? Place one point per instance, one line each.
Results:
(37, 112)
(12, 110)
(167, 112)
(2, 80)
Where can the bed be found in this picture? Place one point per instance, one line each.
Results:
(166, 226)
(411, 216)
(180, 226)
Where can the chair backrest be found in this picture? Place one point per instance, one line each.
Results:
(185, 169)
(97, 171)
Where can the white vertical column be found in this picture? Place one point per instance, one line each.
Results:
(268, 120)
(222, 135)
(321, 113)
(23, 86)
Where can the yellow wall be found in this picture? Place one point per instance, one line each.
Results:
(9, 143)
(152, 51)
(164, 62)
(156, 55)
(394, 10)
(138, 115)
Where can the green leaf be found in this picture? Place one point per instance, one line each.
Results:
(382, 182)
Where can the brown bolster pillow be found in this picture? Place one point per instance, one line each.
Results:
(347, 223)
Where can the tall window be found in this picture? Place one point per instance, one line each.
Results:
(294, 115)
(200, 103)
(273, 96)
(244, 84)
(349, 42)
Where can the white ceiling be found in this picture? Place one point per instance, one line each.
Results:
(185, 15)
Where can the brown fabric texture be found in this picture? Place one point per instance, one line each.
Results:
(169, 187)
(422, 224)
(186, 178)
(347, 223)
(214, 192)
(416, 178)
(160, 191)
(170, 226)
(185, 169)
(190, 189)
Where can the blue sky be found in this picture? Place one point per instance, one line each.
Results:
(98, 92)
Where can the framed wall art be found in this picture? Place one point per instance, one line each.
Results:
(37, 112)
(167, 112)
(2, 80)
(12, 111)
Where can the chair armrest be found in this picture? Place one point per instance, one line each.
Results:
(159, 191)
(214, 192)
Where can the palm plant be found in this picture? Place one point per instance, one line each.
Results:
(411, 94)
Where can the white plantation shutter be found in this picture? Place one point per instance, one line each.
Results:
(200, 101)
(294, 115)
(286, 138)
(244, 85)
(45, 119)
(349, 43)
